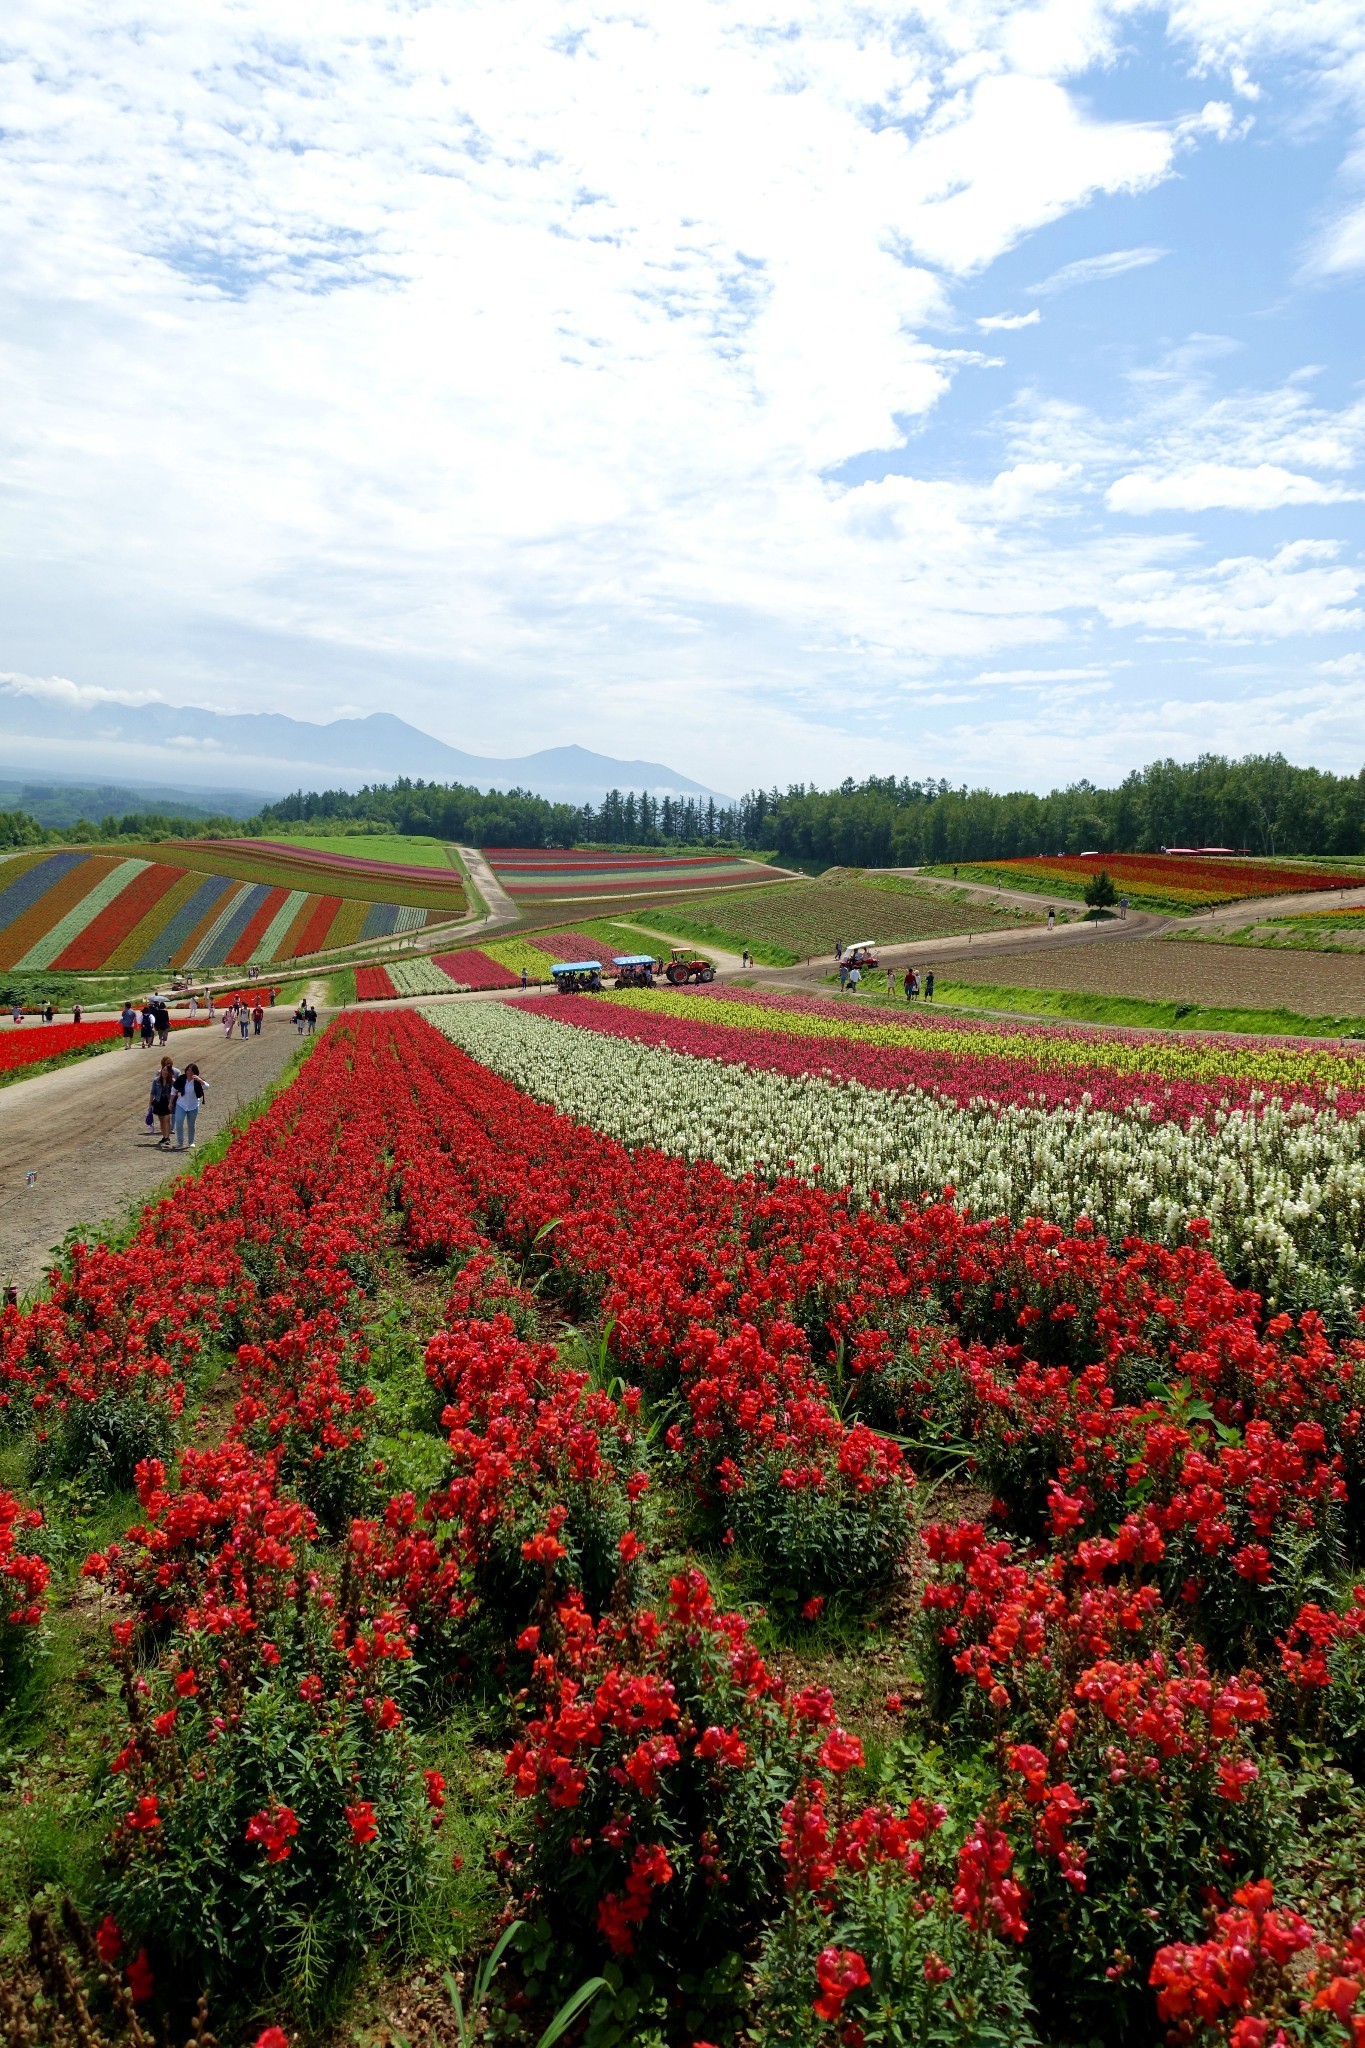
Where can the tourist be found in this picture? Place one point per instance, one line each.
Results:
(890, 981)
(257, 1018)
(148, 1025)
(189, 1093)
(194, 1008)
(929, 986)
(244, 1018)
(48, 1012)
(163, 1020)
(1051, 918)
(300, 1018)
(910, 984)
(524, 982)
(312, 1016)
(855, 975)
(843, 977)
(229, 1019)
(838, 949)
(161, 1099)
(128, 1019)
(76, 1013)
(17, 1011)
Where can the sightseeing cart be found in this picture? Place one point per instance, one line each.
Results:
(634, 970)
(861, 954)
(684, 967)
(576, 977)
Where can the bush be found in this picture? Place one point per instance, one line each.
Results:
(269, 1819)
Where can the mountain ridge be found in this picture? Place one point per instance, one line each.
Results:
(269, 750)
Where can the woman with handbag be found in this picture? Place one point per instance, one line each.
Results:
(161, 1099)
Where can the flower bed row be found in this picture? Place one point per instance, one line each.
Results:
(31, 1045)
(1176, 1076)
(473, 969)
(1283, 1189)
(1175, 1480)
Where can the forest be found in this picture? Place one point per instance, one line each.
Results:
(1263, 804)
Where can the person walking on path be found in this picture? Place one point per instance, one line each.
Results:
(1051, 919)
(244, 1018)
(148, 1025)
(48, 1012)
(190, 1091)
(929, 986)
(75, 1013)
(163, 1021)
(843, 977)
(312, 1016)
(17, 1011)
(229, 1018)
(300, 1018)
(128, 1020)
(257, 1019)
(910, 984)
(855, 975)
(194, 1008)
(161, 1099)
(838, 949)
(890, 981)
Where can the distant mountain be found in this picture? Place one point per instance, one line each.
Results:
(43, 735)
(66, 803)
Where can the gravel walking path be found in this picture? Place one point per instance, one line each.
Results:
(80, 1131)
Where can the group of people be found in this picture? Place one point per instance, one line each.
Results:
(306, 1017)
(176, 1096)
(246, 1017)
(46, 1011)
(154, 1022)
(851, 978)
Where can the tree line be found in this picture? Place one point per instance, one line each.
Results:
(1263, 803)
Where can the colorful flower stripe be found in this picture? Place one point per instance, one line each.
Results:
(570, 946)
(26, 877)
(61, 891)
(310, 934)
(528, 857)
(1283, 1190)
(516, 954)
(66, 929)
(476, 970)
(961, 1059)
(437, 889)
(150, 933)
(372, 985)
(594, 885)
(356, 863)
(110, 927)
(272, 940)
(421, 977)
(28, 1045)
(1179, 878)
(244, 946)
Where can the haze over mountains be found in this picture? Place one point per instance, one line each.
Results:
(270, 753)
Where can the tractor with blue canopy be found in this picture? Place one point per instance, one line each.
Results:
(634, 970)
(576, 977)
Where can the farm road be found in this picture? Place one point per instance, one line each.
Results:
(80, 1129)
(501, 908)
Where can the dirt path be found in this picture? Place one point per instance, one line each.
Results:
(727, 963)
(501, 908)
(968, 946)
(1015, 899)
(80, 1130)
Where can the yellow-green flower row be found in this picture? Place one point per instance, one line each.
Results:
(1195, 1059)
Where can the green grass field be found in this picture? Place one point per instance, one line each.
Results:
(416, 852)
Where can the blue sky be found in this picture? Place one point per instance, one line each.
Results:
(782, 392)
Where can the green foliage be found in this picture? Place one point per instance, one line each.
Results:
(1100, 893)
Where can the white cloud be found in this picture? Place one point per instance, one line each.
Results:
(502, 356)
(78, 696)
(1207, 485)
(1301, 589)
(1003, 323)
(1096, 269)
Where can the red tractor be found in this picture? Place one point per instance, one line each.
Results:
(684, 967)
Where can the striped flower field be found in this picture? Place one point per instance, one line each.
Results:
(541, 874)
(82, 912)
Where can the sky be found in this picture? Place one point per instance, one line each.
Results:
(783, 392)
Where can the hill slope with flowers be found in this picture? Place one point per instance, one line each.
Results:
(892, 1623)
